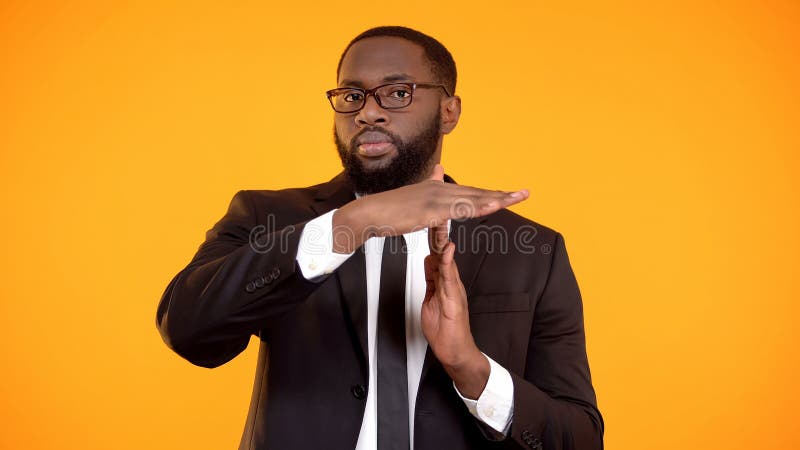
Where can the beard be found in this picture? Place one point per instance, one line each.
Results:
(412, 162)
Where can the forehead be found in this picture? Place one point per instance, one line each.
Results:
(375, 60)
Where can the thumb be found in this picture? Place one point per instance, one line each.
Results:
(437, 173)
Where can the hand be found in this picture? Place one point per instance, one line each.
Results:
(445, 320)
(425, 204)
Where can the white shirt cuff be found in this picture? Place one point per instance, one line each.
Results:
(495, 405)
(315, 254)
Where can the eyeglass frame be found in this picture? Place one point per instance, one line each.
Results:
(368, 92)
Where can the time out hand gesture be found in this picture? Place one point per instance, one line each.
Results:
(431, 203)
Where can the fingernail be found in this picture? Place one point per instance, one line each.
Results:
(520, 194)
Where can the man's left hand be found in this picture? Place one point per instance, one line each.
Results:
(445, 318)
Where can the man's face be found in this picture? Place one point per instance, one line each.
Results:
(385, 149)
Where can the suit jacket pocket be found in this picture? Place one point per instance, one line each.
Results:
(501, 325)
(505, 302)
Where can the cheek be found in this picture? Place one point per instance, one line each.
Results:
(341, 129)
(344, 128)
(414, 126)
(413, 121)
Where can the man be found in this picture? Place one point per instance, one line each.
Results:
(396, 309)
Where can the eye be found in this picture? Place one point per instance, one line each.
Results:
(400, 92)
(352, 96)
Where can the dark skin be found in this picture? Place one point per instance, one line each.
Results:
(426, 203)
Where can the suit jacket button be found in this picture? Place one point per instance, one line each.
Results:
(250, 287)
(526, 434)
(260, 282)
(358, 391)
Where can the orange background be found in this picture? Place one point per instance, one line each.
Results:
(661, 140)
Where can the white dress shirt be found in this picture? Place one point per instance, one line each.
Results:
(316, 259)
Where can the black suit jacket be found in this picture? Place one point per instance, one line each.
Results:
(311, 381)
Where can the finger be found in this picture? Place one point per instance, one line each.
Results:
(469, 191)
(448, 273)
(430, 290)
(475, 202)
(447, 255)
(431, 274)
(504, 202)
(437, 238)
(431, 267)
(450, 285)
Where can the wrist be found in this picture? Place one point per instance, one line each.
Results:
(471, 376)
(348, 232)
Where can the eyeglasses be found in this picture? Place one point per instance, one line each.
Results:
(388, 96)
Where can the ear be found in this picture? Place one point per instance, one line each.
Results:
(450, 112)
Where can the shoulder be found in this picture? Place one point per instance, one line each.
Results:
(517, 253)
(275, 207)
(525, 229)
(293, 196)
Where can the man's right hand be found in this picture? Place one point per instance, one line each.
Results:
(427, 204)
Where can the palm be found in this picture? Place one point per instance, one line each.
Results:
(445, 319)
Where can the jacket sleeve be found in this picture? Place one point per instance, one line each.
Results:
(554, 402)
(242, 276)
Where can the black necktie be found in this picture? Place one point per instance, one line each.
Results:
(391, 348)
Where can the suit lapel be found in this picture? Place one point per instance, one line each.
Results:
(352, 276)
(333, 194)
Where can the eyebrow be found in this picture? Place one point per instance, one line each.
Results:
(392, 78)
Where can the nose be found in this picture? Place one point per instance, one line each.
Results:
(371, 113)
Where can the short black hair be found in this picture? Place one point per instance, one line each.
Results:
(441, 61)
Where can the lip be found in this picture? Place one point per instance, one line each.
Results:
(374, 144)
(375, 149)
(373, 137)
